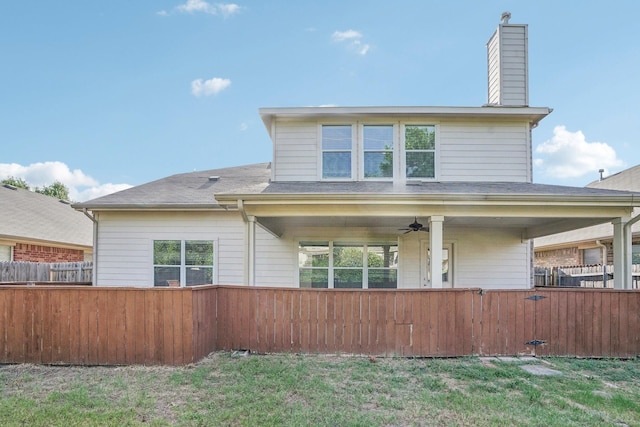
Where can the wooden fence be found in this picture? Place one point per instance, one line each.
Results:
(585, 276)
(175, 326)
(112, 326)
(38, 272)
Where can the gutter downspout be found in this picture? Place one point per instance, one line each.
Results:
(94, 272)
(604, 262)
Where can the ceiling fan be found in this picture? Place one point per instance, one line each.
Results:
(415, 226)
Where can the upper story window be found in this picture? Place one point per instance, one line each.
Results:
(336, 151)
(378, 151)
(377, 145)
(420, 151)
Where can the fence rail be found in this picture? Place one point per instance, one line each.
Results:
(175, 326)
(20, 271)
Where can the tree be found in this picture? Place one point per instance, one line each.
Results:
(57, 190)
(16, 182)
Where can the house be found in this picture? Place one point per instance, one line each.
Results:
(39, 228)
(595, 244)
(358, 197)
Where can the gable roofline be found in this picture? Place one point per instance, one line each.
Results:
(532, 114)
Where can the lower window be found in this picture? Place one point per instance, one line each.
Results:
(183, 262)
(348, 265)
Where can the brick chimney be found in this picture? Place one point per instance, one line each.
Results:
(508, 64)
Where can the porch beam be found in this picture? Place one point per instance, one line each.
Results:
(286, 209)
(435, 246)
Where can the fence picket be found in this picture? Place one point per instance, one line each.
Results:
(40, 272)
(176, 326)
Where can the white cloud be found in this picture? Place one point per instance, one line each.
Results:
(570, 155)
(81, 187)
(212, 86)
(244, 126)
(228, 9)
(192, 6)
(360, 48)
(201, 6)
(339, 36)
(353, 40)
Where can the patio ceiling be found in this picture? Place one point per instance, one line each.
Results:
(533, 218)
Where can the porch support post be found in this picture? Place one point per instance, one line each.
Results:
(251, 250)
(435, 245)
(621, 252)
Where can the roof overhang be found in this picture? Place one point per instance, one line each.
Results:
(535, 215)
(533, 115)
(148, 207)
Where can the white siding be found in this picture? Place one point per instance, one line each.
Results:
(491, 259)
(468, 150)
(410, 259)
(296, 151)
(275, 260)
(482, 258)
(513, 60)
(125, 243)
(483, 151)
(508, 66)
(493, 61)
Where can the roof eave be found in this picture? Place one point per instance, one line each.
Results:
(149, 206)
(564, 199)
(533, 114)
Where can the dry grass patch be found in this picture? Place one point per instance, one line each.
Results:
(300, 390)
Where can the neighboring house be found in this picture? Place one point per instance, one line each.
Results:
(357, 197)
(39, 228)
(592, 245)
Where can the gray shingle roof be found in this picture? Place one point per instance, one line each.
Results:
(31, 216)
(197, 190)
(438, 188)
(193, 189)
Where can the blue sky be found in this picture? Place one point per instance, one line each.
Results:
(102, 95)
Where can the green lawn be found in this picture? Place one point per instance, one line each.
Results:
(324, 390)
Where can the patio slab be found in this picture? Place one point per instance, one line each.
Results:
(540, 370)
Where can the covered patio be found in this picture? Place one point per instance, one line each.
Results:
(382, 208)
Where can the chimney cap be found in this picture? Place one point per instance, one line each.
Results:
(505, 17)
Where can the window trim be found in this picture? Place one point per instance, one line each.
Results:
(425, 261)
(403, 151)
(348, 242)
(394, 151)
(183, 266)
(321, 151)
(399, 151)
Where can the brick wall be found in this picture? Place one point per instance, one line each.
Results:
(38, 253)
(558, 257)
